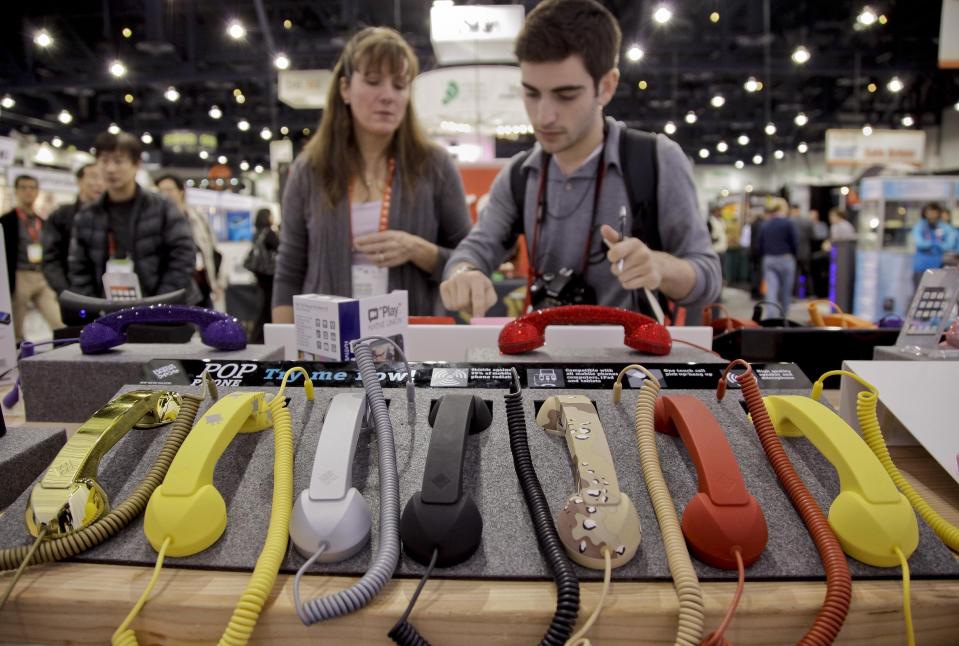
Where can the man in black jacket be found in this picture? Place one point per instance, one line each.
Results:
(128, 223)
(56, 230)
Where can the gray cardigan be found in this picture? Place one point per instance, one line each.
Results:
(315, 256)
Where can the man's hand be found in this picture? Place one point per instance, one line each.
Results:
(467, 290)
(631, 261)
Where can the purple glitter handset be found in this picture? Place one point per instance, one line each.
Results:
(217, 330)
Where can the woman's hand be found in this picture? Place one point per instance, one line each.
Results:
(395, 248)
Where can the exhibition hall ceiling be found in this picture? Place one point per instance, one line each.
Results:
(719, 71)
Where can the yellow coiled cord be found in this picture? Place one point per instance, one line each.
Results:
(869, 423)
(692, 610)
(251, 603)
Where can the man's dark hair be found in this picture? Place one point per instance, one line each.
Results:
(557, 29)
(22, 178)
(83, 170)
(931, 206)
(123, 142)
(173, 178)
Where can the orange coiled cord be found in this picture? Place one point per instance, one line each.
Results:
(832, 614)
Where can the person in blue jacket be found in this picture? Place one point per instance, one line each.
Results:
(932, 237)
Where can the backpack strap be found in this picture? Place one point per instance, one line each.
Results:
(517, 185)
(637, 157)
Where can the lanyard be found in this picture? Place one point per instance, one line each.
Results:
(34, 230)
(384, 201)
(541, 215)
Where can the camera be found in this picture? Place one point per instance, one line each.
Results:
(564, 287)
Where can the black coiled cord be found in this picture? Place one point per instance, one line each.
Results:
(403, 632)
(567, 584)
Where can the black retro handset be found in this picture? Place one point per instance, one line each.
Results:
(441, 516)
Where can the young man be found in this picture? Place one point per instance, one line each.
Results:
(568, 51)
(130, 224)
(205, 275)
(56, 230)
(21, 234)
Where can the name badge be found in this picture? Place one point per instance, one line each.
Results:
(120, 266)
(369, 280)
(35, 253)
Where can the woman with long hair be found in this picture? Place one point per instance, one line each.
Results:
(370, 205)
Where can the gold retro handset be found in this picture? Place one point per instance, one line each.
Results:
(69, 497)
(186, 514)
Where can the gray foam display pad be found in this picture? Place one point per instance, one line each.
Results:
(24, 453)
(679, 354)
(65, 385)
(508, 548)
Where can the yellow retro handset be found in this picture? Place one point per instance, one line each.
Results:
(873, 521)
(186, 514)
(69, 498)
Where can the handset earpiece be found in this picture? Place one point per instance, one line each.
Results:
(331, 511)
(869, 516)
(69, 497)
(598, 516)
(186, 507)
(441, 516)
(723, 516)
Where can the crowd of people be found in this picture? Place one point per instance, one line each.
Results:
(372, 205)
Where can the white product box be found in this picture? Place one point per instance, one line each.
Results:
(326, 325)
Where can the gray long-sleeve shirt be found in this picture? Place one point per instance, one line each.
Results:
(566, 226)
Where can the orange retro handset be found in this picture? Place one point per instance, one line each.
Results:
(528, 332)
(726, 323)
(837, 319)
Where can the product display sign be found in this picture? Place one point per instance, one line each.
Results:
(684, 376)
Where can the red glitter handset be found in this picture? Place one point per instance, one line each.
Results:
(528, 332)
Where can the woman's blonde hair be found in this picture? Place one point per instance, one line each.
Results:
(333, 151)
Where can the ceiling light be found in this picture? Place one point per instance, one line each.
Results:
(7, 102)
(778, 154)
(895, 85)
(306, 132)
(908, 121)
(284, 130)
(204, 183)
(866, 130)
(244, 165)
(662, 14)
(742, 140)
(872, 87)
(266, 134)
(770, 129)
(740, 164)
(752, 85)
(717, 101)
(236, 30)
(801, 119)
(43, 39)
(714, 17)
(956, 106)
(221, 159)
(128, 98)
(722, 147)
(127, 32)
(757, 159)
(635, 54)
(882, 19)
(844, 190)
(287, 24)
(146, 138)
(190, 183)
(118, 69)
(56, 142)
(234, 181)
(64, 117)
(642, 85)
(215, 112)
(114, 129)
(703, 153)
(243, 125)
(690, 117)
(724, 192)
(867, 17)
(801, 55)
(281, 62)
(204, 155)
(171, 94)
(803, 148)
(258, 168)
(44, 155)
(241, 99)
(748, 188)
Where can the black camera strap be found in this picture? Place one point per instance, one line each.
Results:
(541, 215)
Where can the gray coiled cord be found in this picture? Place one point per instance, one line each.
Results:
(388, 550)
